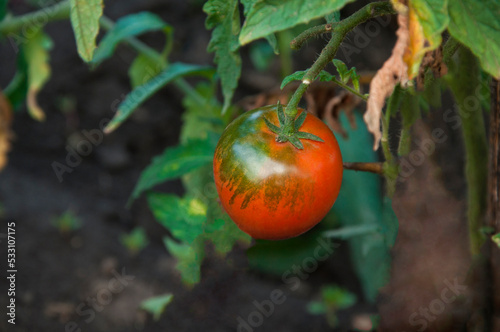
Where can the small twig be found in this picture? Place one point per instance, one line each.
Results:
(376, 168)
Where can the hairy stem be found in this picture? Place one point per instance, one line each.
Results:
(464, 79)
(298, 42)
(285, 53)
(328, 53)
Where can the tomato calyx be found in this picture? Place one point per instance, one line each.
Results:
(288, 130)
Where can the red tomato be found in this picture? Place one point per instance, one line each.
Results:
(273, 190)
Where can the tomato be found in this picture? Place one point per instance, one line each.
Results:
(274, 190)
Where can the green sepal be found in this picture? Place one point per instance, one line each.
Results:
(273, 128)
(296, 142)
(299, 121)
(281, 114)
(304, 135)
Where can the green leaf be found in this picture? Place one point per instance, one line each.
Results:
(496, 239)
(126, 27)
(262, 55)
(273, 42)
(333, 17)
(146, 90)
(247, 5)
(189, 258)
(3, 9)
(143, 69)
(337, 297)
(201, 118)
(323, 76)
(183, 217)
(266, 17)
(476, 25)
(224, 19)
(346, 74)
(316, 308)
(199, 122)
(67, 222)
(341, 69)
(85, 15)
(432, 89)
(223, 232)
(297, 76)
(36, 52)
(433, 17)
(135, 241)
(156, 305)
(277, 257)
(176, 161)
(17, 89)
(360, 205)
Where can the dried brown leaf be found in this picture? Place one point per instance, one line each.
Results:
(393, 71)
(434, 61)
(343, 102)
(417, 44)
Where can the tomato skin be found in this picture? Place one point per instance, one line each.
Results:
(273, 190)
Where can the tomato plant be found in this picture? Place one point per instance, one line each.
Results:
(277, 170)
(271, 189)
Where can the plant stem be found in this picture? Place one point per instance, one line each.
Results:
(298, 42)
(285, 53)
(348, 88)
(38, 18)
(462, 81)
(328, 53)
(376, 168)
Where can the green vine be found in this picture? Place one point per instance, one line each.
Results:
(465, 77)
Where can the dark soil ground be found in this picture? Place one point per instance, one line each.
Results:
(58, 275)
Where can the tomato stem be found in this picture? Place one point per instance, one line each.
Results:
(376, 168)
(339, 31)
(298, 42)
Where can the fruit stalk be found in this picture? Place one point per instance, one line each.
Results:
(339, 32)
